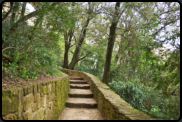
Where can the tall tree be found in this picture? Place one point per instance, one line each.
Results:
(110, 45)
(81, 37)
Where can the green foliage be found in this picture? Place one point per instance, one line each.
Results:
(148, 100)
(130, 92)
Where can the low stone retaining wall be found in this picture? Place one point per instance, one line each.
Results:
(39, 101)
(111, 106)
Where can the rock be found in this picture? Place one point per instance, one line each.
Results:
(28, 101)
(27, 115)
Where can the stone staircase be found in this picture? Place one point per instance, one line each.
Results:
(80, 105)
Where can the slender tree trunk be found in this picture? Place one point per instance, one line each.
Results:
(67, 36)
(78, 46)
(111, 41)
(11, 8)
(65, 65)
(15, 9)
(23, 9)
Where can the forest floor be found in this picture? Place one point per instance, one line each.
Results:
(8, 82)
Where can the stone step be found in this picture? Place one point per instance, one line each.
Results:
(80, 86)
(75, 78)
(78, 82)
(80, 93)
(81, 103)
(80, 114)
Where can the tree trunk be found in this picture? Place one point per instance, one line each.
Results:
(11, 8)
(15, 25)
(65, 65)
(67, 36)
(111, 41)
(23, 9)
(78, 46)
(15, 9)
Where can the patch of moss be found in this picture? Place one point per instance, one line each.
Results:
(9, 102)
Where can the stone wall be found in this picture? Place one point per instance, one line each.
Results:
(39, 101)
(111, 106)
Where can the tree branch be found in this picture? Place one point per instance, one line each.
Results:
(165, 24)
(13, 28)
(83, 57)
(7, 48)
(11, 8)
(7, 57)
(72, 45)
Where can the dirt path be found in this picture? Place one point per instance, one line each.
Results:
(80, 105)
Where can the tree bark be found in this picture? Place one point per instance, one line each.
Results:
(23, 9)
(78, 45)
(15, 25)
(11, 8)
(15, 9)
(111, 41)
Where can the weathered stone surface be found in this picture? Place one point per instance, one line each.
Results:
(53, 87)
(30, 89)
(10, 117)
(28, 100)
(34, 115)
(20, 111)
(29, 103)
(41, 101)
(49, 88)
(41, 88)
(25, 90)
(21, 118)
(51, 105)
(44, 89)
(41, 113)
(48, 114)
(20, 94)
(38, 100)
(27, 115)
(52, 97)
(38, 88)
(35, 92)
(9, 102)
(44, 101)
(34, 107)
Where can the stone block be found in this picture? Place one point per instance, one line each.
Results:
(35, 115)
(20, 111)
(52, 97)
(38, 87)
(9, 102)
(27, 115)
(45, 89)
(30, 89)
(28, 101)
(34, 107)
(49, 88)
(20, 94)
(25, 90)
(20, 118)
(53, 87)
(35, 92)
(41, 101)
(10, 117)
(45, 101)
(38, 100)
(51, 105)
(41, 113)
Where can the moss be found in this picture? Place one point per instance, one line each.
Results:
(9, 102)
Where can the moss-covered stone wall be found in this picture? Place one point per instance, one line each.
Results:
(111, 106)
(39, 101)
